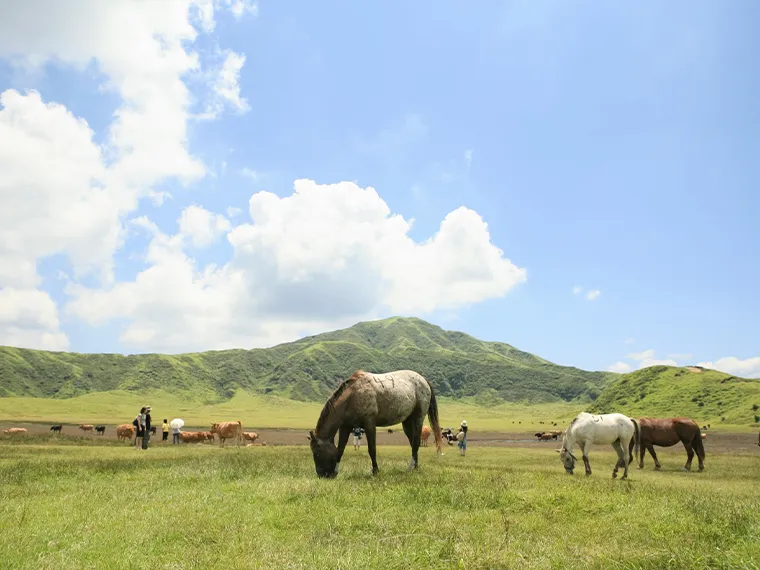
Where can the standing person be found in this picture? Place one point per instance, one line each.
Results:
(357, 437)
(146, 432)
(165, 430)
(139, 423)
(462, 437)
(175, 435)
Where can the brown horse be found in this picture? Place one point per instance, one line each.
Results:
(370, 400)
(665, 432)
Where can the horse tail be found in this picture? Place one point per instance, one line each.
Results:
(636, 439)
(433, 417)
(699, 445)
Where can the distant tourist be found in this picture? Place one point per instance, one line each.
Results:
(146, 433)
(462, 437)
(165, 430)
(139, 423)
(358, 437)
(175, 434)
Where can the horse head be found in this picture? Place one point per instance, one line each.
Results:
(325, 456)
(568, 459)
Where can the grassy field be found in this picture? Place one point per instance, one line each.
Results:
(189, 507)
(257, 411)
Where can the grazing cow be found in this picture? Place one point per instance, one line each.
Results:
(125, 432)
(209, 436)
(449, 436)
(228, 430)
(15, 431)
(547, 437)
(192, 436)
(426, 431)
(538, 434)
(57, 428)
(250, 435)
(100, 429)
(665, 432)
(86, 427)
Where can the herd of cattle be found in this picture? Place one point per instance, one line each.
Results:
(126, 432)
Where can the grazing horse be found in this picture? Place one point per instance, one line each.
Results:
(370, 400)
(586, 430)
(57, 428)
(665, 432)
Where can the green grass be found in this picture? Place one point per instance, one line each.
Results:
(708, 397)
(202, 507)
(260, 411)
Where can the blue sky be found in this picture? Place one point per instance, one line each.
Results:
(608, 147)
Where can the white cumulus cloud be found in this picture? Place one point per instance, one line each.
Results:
(593, 295)
(60, 192)
(323, 257)
(202, 227)
(747, 368)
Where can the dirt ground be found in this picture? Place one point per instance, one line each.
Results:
(716, 441)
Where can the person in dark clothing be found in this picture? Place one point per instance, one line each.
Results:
(139, 423)
(146, 433)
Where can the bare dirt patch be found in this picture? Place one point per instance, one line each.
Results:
(716, 441)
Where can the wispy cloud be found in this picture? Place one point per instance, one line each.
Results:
(629, 341)
(619, 367)
(233, 211)
(593, 295)
(577, 289)
(250, 174)
(468, 158)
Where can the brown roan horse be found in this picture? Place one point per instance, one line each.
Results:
(665, 432)
(370, 400)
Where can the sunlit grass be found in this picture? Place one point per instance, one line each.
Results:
(259, 411)
(205, 507)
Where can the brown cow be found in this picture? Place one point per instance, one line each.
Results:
(250, 435)
(192, 436)
(665, 432)
(426, 432)
(209, 436)
(260, 444)
(86, 427)
(227, 430)
(125, 432)
(546, 437)
(15, 431)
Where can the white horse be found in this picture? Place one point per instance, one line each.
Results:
(586, 430)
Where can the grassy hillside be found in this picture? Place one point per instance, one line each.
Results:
(707, 396)
(257, 412)
(457, 364)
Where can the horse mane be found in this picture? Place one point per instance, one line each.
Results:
(329, 406)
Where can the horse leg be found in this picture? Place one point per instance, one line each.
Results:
(586, 448)
(621, 459)
(412, 430)
(689, 455)
(345, 431)
(371, 433)
(657, 465)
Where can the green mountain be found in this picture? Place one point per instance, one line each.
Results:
(457, 365)
(665, 391)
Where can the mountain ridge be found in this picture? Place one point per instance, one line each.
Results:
(309, 368)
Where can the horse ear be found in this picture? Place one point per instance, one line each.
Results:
(311, 435)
